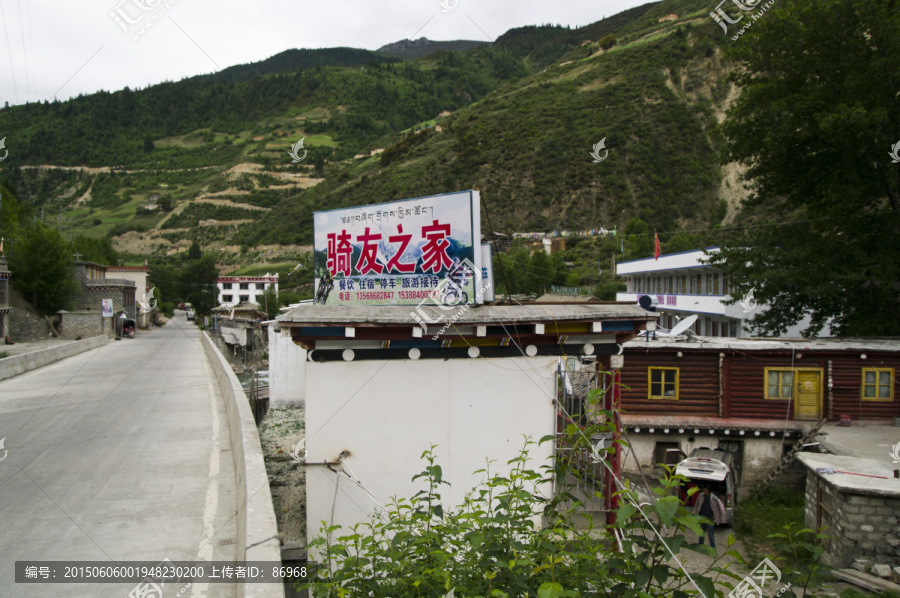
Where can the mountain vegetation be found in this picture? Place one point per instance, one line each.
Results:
(641, 122)
(407, 49)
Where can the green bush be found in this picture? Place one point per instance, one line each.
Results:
(490, 545)
(608, 41)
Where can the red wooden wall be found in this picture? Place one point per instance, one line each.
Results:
(698, 383)
(744, 382)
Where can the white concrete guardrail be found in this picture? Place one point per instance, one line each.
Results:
(25, 362)
(257, 529)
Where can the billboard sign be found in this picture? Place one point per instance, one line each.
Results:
(107, 308)
(398, 253)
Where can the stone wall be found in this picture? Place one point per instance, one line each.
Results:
(24, 322)
(861, 525)
(91, 297)
(84, 324)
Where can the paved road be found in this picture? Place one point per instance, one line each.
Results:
(120, 453)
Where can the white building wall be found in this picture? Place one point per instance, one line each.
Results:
(287, 369)
(710, 308)
(139, 278)
(762, 453)
(252, 293)
(384, 414)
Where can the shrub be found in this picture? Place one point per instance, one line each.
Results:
(608, 41)
(490, 545)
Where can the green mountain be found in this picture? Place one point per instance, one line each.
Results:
(207, 158)
(408, 49)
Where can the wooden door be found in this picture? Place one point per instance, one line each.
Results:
(809, 395)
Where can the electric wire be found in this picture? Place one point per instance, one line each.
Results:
(9, 48)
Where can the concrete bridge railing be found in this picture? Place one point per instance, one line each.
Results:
(19, 364)
(257, 529)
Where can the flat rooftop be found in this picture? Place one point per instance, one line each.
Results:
(855, 475)
(471, 315)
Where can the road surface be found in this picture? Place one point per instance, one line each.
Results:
(117, 454)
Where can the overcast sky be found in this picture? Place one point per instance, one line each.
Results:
(71, 47)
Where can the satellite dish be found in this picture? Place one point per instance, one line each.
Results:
(682, 326)
(648, 302)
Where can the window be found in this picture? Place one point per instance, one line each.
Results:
(663, 383)
(683, 284)
(227, 298)
(779, 384)
(713, 284)
(245, 286)
(244, 298)
(878, 384)
(226, 286)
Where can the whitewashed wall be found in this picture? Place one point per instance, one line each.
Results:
(386, 413)
(287, 362)
(761, 453)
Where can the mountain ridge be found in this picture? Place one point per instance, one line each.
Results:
(410, 49)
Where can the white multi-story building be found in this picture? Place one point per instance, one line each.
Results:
(684, 286)
(238, 289)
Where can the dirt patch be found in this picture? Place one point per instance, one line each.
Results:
(228, 202)
(281, 430)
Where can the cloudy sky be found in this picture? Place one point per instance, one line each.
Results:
(65, 48)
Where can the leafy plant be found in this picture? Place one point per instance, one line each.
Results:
(492, 544)
(802, 550)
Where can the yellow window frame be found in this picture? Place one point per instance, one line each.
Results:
(780, 384)
(662, 397)
(878, 372)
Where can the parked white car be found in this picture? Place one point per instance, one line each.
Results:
(709, 468)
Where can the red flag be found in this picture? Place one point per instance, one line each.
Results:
(656, 250)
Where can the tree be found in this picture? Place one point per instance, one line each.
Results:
(194, 253)
(96, 250)
(638, 240)
(42, 263)
(814, 124)
(167, 282)
(269, 302)
(199, 276)
(608, 42)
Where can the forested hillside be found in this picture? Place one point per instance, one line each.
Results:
(206, 159)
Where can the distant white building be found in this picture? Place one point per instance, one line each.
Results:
(683, 286)
(240, 289)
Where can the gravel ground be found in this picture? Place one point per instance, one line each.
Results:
(281, 430)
